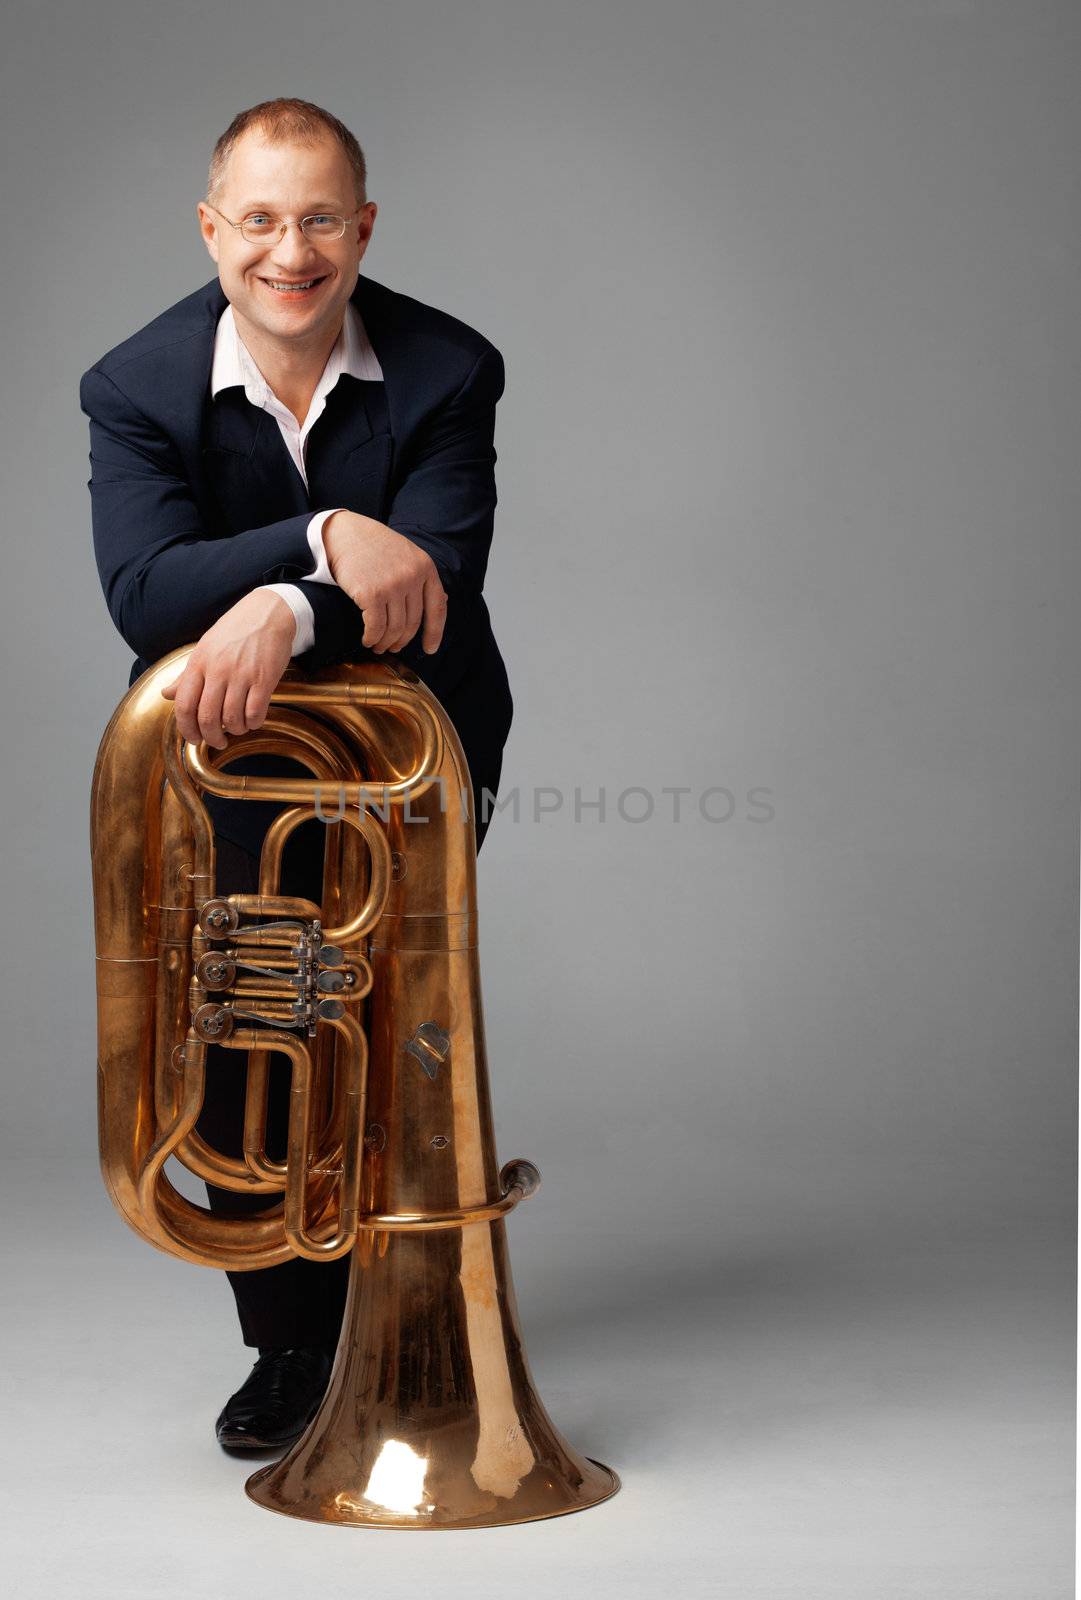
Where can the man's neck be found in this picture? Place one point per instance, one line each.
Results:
(292, 371)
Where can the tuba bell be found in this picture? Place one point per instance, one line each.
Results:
(431, 1418)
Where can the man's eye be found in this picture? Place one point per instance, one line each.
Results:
(321, 219)
(259, 219)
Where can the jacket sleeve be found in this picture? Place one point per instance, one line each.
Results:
(165, 580)
(446, 505)
(446, 502)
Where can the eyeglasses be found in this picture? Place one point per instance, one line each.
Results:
(261, 228)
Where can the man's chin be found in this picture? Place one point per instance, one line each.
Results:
(288, 321)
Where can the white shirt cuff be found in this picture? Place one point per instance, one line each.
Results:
(322, 573)
(295, 599)
(303, 615)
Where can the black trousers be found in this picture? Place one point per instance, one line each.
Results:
(299, 1302)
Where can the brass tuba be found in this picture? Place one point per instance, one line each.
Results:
(431, 1418)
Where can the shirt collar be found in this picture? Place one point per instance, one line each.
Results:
(233, 366)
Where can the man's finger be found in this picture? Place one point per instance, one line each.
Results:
(186, 696)
(233, 707)
(210, 724)
(395, 625)
(435, 615)
(414, 612)
(375, 624)
(257, 706)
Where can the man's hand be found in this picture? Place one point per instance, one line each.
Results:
(233, 670)
(395, 584)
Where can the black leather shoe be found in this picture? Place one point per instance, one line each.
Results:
(277, 1400)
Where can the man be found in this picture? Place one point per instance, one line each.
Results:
(295, 462)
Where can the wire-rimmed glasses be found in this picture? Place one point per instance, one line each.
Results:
(262, 227)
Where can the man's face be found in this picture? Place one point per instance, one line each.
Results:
(289, 181)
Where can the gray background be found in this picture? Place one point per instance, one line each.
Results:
(787, 294)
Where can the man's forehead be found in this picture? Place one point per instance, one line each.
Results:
(257, 161)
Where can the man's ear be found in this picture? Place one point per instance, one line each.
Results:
(208, 227)
(365, 224)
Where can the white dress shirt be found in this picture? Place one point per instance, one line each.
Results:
(233, 366)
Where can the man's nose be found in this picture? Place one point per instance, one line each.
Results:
(293, 246)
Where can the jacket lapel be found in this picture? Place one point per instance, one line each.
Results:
(250, 471)
(406, 366)
(350, 449)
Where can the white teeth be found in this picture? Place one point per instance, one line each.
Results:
(284, 288)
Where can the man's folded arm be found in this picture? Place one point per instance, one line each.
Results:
(446, 506)
(165, 581)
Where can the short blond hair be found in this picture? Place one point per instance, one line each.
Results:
(284, 122)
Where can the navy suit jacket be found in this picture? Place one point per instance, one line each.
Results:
(196, 501)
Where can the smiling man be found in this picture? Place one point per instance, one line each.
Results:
(295, 462)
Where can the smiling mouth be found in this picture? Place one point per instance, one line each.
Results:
(288, 289)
